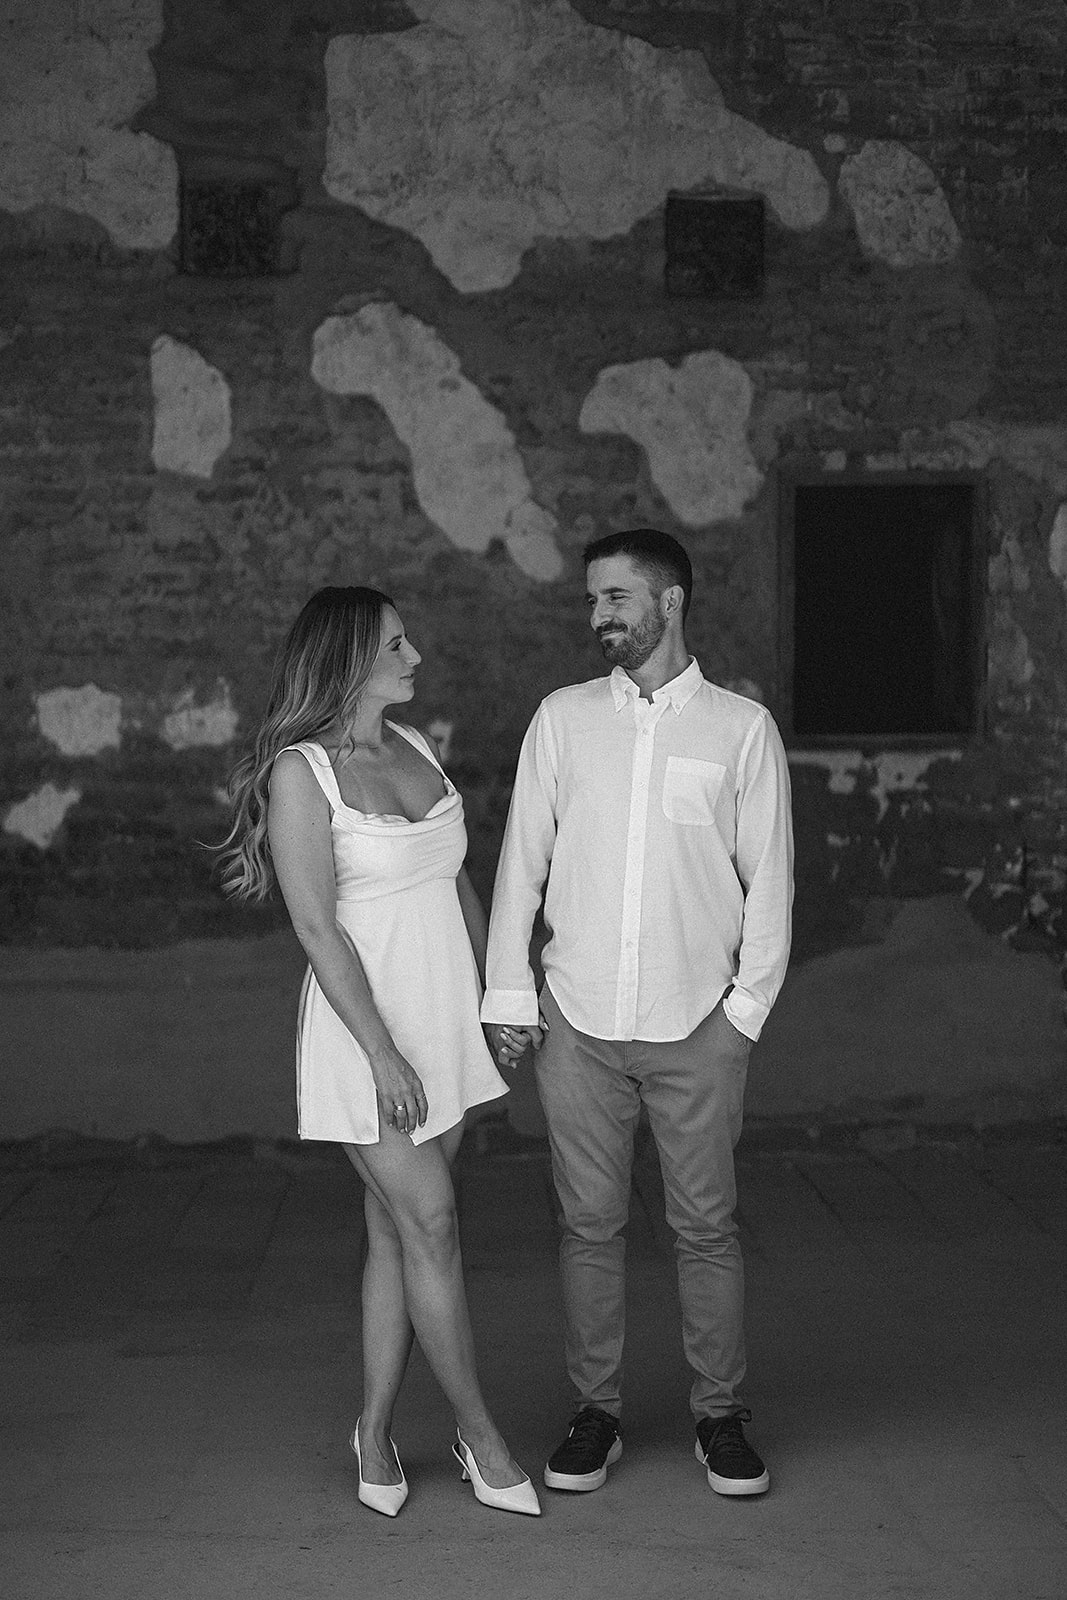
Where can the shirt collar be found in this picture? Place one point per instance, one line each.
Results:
(679, 691)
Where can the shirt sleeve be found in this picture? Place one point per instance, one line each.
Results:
(765, 868)
(530, 834)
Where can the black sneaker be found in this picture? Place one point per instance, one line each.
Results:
(590, 1448)
(733, 1466)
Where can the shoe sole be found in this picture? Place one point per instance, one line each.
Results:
(583, 1482)
(733, 1486)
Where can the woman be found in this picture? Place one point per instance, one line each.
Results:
(355, 818)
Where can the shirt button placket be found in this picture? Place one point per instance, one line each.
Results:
(629, 963)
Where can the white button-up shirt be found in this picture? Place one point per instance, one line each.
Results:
(664, 830)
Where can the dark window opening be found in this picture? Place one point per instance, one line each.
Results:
(886, 637)
(229, 230)
(714, 246)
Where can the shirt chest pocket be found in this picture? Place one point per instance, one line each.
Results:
(690, 790)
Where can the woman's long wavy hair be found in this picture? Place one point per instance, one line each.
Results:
(319, 675)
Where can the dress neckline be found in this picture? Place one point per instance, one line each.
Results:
(392, 818)
(396, 818)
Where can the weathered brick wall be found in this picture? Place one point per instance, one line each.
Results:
(169, 590)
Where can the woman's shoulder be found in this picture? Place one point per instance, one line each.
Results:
(297, 766)
(302, 755)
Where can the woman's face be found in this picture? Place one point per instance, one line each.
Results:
(392, 677)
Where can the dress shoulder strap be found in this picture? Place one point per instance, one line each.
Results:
(320, 764)
(421, 743)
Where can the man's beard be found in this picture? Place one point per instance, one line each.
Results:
(632, 648)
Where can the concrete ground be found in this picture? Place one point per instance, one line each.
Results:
(180, 1374)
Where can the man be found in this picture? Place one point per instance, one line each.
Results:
(657, 806)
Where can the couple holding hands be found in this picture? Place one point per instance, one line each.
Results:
(652, 809)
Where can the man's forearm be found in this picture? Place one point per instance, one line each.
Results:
(510, 988)
(765, 866)
(529, 837)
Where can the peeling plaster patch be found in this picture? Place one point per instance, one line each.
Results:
(901, 214)
(80, 722)
(468, 473)
(442, 731)
(888, 461)
(530, 537)
(834, 460)
(38, 818)
(896, 771)
(972, 876)
(189, 724)
(841, 780)
(1009, 651)
(192, 410)
(1008, 570)
(691, 422)
(72, 78)
(842, 766)
(1057, 546)
(892, 770)
(497, 122)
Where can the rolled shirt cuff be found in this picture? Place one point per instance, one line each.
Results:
(517, 1006)
(746, 1014)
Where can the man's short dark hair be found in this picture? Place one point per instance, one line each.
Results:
(658, 555)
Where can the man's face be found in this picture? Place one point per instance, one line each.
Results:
(624, 613)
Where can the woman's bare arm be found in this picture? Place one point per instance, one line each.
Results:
(475, 919)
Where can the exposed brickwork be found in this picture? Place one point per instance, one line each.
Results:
(146, 584)
(978, 91)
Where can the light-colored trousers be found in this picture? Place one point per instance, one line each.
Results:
(592, 1091)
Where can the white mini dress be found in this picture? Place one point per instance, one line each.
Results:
(398, 905)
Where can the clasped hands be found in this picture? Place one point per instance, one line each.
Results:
(507, 1041)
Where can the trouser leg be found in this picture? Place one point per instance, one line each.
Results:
(591, 1108)
(694, 1094)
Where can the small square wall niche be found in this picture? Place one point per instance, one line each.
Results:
(229, 230)
(714, 246)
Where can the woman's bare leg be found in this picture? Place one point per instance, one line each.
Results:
(387, 1331)
(387, 1340)
(414, 1186)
